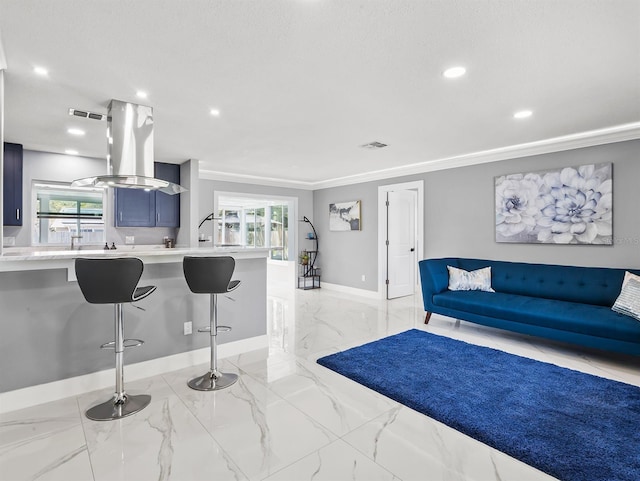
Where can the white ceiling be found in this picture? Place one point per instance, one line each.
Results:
(301, 84)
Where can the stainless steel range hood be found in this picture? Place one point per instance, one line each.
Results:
(130, 151)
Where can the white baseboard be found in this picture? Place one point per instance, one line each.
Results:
(351, 290)
(53, 391)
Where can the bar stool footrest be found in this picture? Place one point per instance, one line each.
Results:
(204, 329)
(224, 328)
(127, 344)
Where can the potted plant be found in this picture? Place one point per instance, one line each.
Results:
(304, 258)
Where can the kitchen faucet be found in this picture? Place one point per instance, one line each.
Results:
(72, 239)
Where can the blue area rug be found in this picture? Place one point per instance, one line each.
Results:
(571, 425)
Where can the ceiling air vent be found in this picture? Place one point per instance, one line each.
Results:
(373, 145)
(87, 115)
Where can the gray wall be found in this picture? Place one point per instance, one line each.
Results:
(49, 332)
(459, 217)
(47, 166)
(345, 256)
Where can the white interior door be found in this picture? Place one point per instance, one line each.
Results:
(401, 243)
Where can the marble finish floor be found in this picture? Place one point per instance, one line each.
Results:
(287, 418)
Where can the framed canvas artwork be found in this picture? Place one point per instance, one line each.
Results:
(344, 216)
(573, 205)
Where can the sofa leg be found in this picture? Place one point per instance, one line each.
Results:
(427, 317)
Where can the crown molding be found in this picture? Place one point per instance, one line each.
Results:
(254, 179)
(618, 133)
(590, 138)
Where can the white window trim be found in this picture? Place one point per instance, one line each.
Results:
(61, 185)
(293, 214)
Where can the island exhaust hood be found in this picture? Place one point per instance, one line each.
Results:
(130, 151)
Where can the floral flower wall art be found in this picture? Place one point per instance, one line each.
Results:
(573, 205)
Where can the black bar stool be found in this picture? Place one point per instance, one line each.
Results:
(114, 281)
(211, 275)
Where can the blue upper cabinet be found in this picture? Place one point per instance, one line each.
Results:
(12, 184)
(138, 208)
(135, 208)
(167, 206)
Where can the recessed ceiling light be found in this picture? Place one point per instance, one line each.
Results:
(75, 131)
(43, 72)
(214, 112)
(522, 114)
(454, 72)
(141, 94)
(71, 152)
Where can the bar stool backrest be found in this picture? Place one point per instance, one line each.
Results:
(108, 281)
(208, 275)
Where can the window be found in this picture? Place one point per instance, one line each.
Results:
(254, 227)
(279, 232)
(253, 222)
(228, 228)
(62, 212)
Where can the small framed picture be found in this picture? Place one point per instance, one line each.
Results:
(344, 216)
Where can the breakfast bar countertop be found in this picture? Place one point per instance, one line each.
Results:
(22, 259)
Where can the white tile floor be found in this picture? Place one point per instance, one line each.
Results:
(287, 418)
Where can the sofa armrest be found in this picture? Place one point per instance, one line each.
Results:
(434, 278)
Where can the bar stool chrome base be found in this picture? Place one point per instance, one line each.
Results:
(213, 381)
(113, 409)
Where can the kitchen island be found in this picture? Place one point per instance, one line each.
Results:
(50, 336)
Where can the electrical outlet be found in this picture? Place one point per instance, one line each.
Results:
(129, 239)
(188, 328)
(363, 278)
(9, 241)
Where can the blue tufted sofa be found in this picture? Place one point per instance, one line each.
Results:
(565, 303)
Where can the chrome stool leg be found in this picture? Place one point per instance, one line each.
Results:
(213, 380)
(122, 404)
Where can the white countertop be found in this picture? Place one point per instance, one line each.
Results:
(20, 259)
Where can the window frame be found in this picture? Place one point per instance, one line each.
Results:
(244, 203)
(38, 187)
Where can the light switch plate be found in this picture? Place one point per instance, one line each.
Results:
(129, 239)
(8, 241)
